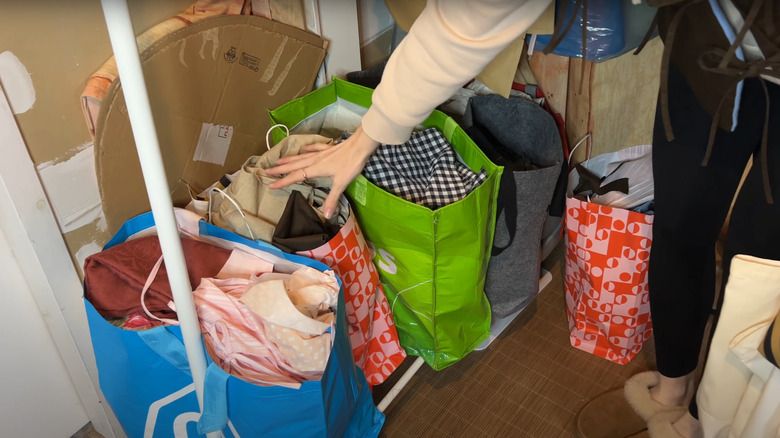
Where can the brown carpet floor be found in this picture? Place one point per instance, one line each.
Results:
(529, 382)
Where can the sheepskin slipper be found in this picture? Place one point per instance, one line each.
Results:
(637, 392)
(660, 426)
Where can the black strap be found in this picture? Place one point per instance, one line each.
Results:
(560, 30)
(589, 182)
(649, 34)
(507, 190)
(507, 203)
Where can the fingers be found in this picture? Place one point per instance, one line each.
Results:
(291, 178)
(317, 147)
(294, 162)
(294, 158)
(332, 201)
(291, 167)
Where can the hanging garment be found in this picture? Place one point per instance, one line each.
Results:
(739, 394)
(425, 170)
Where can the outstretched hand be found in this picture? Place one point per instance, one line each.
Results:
(341, 162)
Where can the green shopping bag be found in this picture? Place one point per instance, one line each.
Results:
(432, 263)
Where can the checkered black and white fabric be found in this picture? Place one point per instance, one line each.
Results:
(424, 170)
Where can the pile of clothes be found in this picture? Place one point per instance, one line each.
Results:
(266, 327)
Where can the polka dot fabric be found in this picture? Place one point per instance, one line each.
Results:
(607, 301)
(372, 331)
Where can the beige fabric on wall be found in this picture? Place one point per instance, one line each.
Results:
(499, 74)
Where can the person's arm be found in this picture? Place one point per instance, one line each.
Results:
(449, 44)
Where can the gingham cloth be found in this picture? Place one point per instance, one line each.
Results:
(424, 170)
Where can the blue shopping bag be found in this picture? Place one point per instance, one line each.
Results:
(145, 377)
(612, 28)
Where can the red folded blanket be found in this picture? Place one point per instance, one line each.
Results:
(115, 277)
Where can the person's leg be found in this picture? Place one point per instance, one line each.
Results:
(691, 204)
(754, 226)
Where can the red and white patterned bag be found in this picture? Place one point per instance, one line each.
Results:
(607, 302)
(372, 331)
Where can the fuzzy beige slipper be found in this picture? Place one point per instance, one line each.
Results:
(660, 426)
(637, 393)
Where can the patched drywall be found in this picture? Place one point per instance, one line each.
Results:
(16, 82)
(72, 188)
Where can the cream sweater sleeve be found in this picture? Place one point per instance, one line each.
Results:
(449, 44)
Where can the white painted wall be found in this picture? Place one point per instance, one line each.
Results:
(40, 272)
(336, 21)
(38, 397)
(375, 19)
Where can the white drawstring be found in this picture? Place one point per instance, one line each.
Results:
(571, 152)
(235, 204)
(267, 140)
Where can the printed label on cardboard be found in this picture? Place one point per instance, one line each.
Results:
(249, 61)
(213, 143)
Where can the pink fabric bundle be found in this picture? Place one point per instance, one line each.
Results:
(236, 339)
(265, 350)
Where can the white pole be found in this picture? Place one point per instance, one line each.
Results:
(396, 389)
(120, 30)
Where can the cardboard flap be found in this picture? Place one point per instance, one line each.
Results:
(210, 85)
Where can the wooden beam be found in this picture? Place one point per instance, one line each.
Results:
(579, 120)
(552, 75)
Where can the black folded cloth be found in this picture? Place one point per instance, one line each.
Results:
(300, 228)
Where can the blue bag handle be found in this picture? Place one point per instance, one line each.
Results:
(163, 342)
(215, 415)
(168, 346)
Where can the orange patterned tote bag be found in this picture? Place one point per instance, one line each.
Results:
(607, 302)
(372, 332)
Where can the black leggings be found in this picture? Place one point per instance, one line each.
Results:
(691, 204)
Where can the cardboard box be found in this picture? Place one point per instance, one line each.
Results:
(210, 85)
